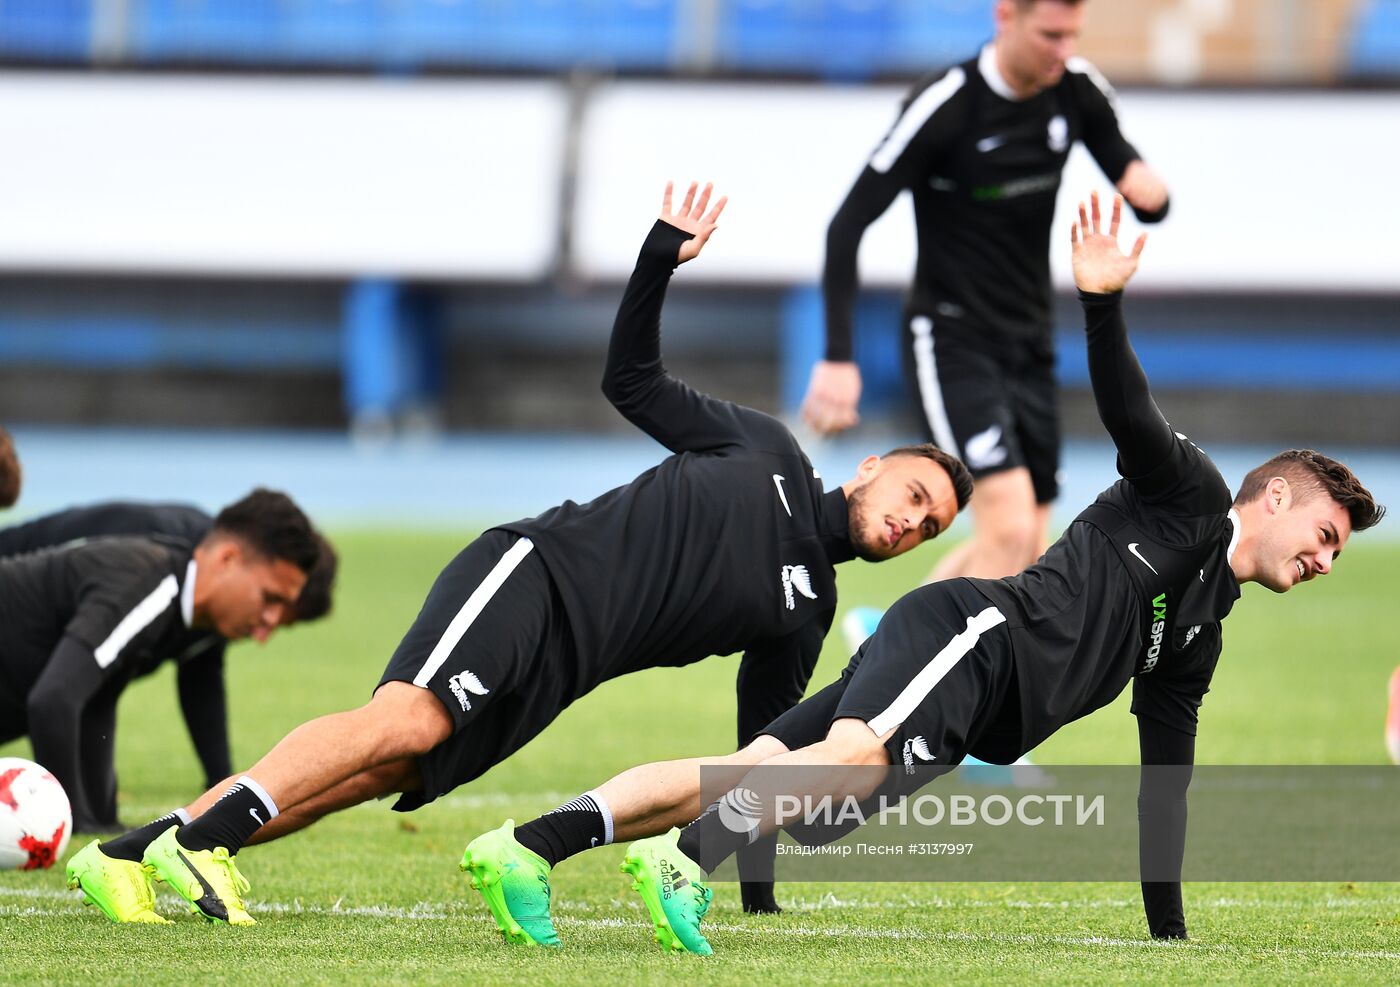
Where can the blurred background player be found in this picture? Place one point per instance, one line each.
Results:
(982, 147)
(79, 622)
(199, 674)
(10, 475)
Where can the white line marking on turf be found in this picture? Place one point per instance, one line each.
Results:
(439, 911)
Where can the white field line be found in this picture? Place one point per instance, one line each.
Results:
(436, 911)
(544, 801)
(826, 903)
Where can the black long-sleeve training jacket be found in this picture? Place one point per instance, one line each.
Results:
(726, 545)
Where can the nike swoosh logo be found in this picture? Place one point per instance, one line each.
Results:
(987, 144)
(254, 814)
(208, 902)
(1132, 547)
(778, 479)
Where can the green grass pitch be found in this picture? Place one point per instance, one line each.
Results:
(374, 896)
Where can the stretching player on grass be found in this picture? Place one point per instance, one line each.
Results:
(727, 545)
(993, 667)
(85, 694)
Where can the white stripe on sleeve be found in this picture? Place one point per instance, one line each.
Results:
(912, 120)
(136, 621)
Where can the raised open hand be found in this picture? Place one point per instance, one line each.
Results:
(692, 218)
(1099, 266)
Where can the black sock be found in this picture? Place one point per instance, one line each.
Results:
(230, 822)
(132, 844)
(572, 828)
(756, 864)
(758, 898)
(709, 840)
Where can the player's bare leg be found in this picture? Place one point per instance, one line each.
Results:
(652, 798)
(1008, 532)
(387, 779)
(399, 723)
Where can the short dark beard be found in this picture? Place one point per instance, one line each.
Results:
(856, 524)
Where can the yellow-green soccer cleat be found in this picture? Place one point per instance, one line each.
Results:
(514, 880)
(207, 879)
(673, 887)
(120, 889)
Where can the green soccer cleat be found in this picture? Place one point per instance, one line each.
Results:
(673, 887)
(207, 879)
(120, 889)
(514, 880)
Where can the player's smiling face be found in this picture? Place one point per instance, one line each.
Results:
(1035, 42)
(1299, 540)
(899, 503)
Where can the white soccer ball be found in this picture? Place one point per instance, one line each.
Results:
(35, 818)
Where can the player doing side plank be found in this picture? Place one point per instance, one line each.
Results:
(993, 667)
(728, 545)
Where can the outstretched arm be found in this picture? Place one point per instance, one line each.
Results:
(1101, 270)
(635, 380)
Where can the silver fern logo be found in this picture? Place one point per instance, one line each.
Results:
(740, 810)
(916, 747)
(796, 577)
(984, 449)
(463, 683)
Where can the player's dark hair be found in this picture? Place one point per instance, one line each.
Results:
(314, 601)
(1311, 473)
(952, 465)
(1027, 4)
(272, 525)
(10, 473)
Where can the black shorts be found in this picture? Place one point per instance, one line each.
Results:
(990, 400)
(939, 671)
(493, 643)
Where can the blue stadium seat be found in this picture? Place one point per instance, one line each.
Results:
(629, 34)
(48, 30)
(1375, 43)
(204, 30)
(510, 33)
(833, 38)
(932, 34)
(330, 31)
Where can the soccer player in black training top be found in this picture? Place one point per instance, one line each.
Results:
(993, 667)
(79, 622)
(729, 544)
(981, 148)
(199, 665)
